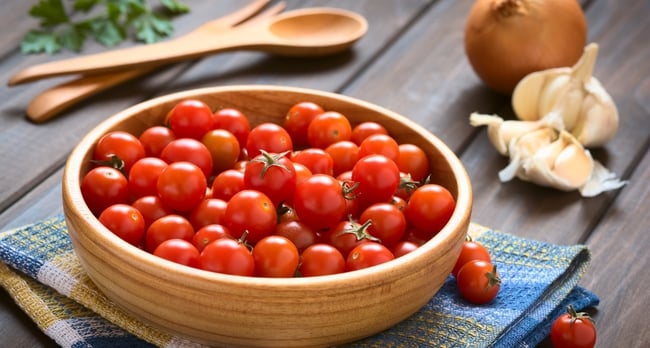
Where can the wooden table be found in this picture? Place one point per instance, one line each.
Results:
(411, 61)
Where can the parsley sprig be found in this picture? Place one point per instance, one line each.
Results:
(68, 25)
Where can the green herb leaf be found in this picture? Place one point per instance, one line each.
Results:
(151, 28)
(50, 12)
(107, 32)
(175, 6)
(40, 41)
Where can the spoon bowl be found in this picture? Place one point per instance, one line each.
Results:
(303, 32)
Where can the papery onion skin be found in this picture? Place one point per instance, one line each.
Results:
(506, 40)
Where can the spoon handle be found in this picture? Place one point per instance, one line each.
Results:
(187, 47)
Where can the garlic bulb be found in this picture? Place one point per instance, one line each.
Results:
(573, 95)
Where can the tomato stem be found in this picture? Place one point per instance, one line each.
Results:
(270, 160)
(493, 278)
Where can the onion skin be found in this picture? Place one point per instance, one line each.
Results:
(506, 40)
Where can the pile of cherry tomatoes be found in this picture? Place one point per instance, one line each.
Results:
(315, 195)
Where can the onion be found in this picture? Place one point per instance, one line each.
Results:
(506, 40)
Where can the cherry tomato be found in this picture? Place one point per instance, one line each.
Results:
(478, 281)
(380, 144)
(121, 144)
(190, 119)
(269, 137)
(271, 174)
(154, 139)
(366, 129)
(403, 247)
(253, 212)
(209, 233)
(321, 259)
(227, 183)
(471, 250)
(387, 222)
(209, 211)
(316, 160)
(414, 161)
(328, 128)
(429, 209)
(182, 186)
(188, 150)
(302, 172)
(233, 121)
(346, 235)
(224, 149)
(297, 121)
(344, 155)
(573, 330)
(319, 201)
(179, 251)
(167, 227)
(228, 256)
(125, 221)
(398, 202)
(102, 187)
(275, 256)
(378, 178)
(366, 255)
(151, 208)
(143, 176)
(297, 232)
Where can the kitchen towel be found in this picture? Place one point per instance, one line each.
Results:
(539, 280)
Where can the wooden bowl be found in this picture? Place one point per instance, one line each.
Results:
(225, 310)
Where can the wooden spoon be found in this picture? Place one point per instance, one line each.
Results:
(303, 32)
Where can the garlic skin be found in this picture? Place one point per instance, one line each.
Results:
(579, 99)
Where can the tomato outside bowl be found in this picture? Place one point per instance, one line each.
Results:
(226, 310)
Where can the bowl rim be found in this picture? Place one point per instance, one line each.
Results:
(71, 189)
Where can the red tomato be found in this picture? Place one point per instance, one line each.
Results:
(398, 202)
(143, 176)
(190, 119)
(573, 330)
(366, 255)
(321, 259)
(297, 121)
(316, 160)
(188, 150)
(209, 233)
(275, 256)
(328, 128)
(167, 227)
(302, 172)
(429, 209)
(125, 221)
(179, 251)
(346, 235)
(403, 247)
(233, 121)
(297, 232)
(387, 222)
(102, 187)
(227, 183)
(151, 208)
(154, 139)
(273, 175)
(414, 161)
(470, 251)
(121, 144)
(344, 155)
(379, 144)
(378, 178)
(478, 281)
(182, 186)
(366, 129)
(223, 147)
(228, 256)
(269, 137)
(319, 201)
(209, 211)
(253, 212)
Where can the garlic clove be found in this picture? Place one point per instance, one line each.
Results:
(523, 148)
(536, 91)
(501, 132)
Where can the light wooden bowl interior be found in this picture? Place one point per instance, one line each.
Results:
(224, 310)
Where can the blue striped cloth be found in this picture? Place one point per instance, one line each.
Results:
(41, 272)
